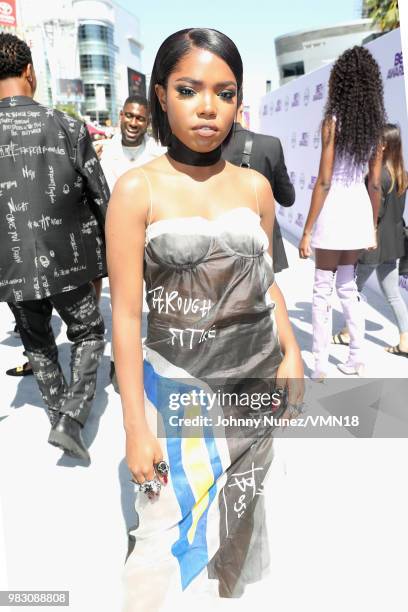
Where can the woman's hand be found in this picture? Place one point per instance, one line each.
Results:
(305, 250)
(290, 376)
(142, 452)
(375, 245)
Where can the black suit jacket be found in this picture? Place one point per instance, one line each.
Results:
(268, 159)
(53, 200)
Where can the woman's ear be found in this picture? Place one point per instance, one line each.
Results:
(162, 96)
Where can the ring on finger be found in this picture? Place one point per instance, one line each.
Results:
(150, 487)
(162, 468)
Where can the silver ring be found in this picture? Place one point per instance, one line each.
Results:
(162, 468)
(150, 487)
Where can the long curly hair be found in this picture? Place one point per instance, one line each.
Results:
(15, 54)
(356, 99)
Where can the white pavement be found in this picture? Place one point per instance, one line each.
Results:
(337, 507)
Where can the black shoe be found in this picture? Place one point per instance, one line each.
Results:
(66, 435)
(112, 376)
(24, 370)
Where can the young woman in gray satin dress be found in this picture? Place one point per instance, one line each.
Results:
(196, 229)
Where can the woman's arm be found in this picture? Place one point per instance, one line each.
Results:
(322, 186)
(125, 235)
(374, 182)
(290, 372)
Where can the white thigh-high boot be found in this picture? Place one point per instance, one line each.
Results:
(354, 314)
(322, 321)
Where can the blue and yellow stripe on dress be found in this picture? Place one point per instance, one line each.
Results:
(195, 466)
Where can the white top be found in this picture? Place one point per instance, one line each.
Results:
(117, 159)
(132, 153)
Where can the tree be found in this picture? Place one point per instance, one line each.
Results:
(384, 13)
(69, 109)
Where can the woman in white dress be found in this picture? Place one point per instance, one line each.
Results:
(343, 215)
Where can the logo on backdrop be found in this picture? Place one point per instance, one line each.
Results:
(306, 96)
(296, 99)
(271, 108)
(302, 180)
(316, 138)
(292, 177)
(319, 92)
(312, 183)
(290, 216)
(293, 140)
(398, 68)
(304, 140)
(278, 106)
(265, 110)
(281, 211)
(286, 103)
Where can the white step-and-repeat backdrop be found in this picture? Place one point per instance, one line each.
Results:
(294, 112)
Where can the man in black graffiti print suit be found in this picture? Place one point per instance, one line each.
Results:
(267, 158)
(53, 199)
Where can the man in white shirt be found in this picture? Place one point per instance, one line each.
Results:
(131, 147)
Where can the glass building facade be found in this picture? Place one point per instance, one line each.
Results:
(97, 66)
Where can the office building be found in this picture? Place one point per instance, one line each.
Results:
(87, 54)
(301, 52)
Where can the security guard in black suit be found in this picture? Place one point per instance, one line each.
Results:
(264, 154)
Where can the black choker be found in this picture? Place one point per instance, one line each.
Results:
(180, 153)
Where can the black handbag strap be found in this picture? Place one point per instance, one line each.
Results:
(246, 154)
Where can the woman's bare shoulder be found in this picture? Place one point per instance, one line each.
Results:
(130, 196)
(248, 178)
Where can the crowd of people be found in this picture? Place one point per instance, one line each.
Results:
(190, 219)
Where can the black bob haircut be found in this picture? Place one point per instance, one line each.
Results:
(172, 50)
(15, 55)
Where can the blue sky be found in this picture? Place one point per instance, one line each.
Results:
(253, 27)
